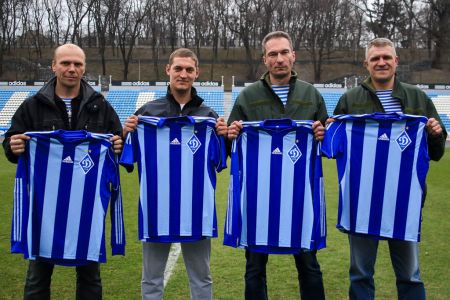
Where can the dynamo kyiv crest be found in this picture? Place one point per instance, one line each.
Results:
(194, 144)
(86, 164)
(403, 140)
(294, 153)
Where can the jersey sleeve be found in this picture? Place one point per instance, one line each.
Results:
(320, 218)
(20, 207)
(128, 157)
(116, 213)
(331, 144)
(233, 218)
(220, 156)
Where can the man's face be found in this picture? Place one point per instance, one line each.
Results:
(279, 58)
(381, 63)
(182, 73)
(69, 66)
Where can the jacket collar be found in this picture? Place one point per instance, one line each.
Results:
(367, 83)
(266, 78)
(396, 91)
(47, 92)
(195, 99)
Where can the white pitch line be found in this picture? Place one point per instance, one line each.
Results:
(171, 261)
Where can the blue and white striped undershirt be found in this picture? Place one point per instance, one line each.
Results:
(390, 104)
(68, 102)
(282, 92)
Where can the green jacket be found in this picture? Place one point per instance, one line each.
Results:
(259, 102)
(363, 100)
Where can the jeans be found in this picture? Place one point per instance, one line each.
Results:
(309, 276)
(39, 276)
(405, 261)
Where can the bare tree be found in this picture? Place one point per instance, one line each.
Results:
(8, 26)
(132, 14)
(103, 11)
(323, 20)
(243, 21)
(78, 9)
(155, 17)
(438, 27)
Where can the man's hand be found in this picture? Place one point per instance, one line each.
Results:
(328, 121)
(130, 125)
(17, 143)
(234, 129)
(434, 127)
(117, 144)
(319, 130)
(221, 127)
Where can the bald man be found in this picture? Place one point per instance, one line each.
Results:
(65, 102)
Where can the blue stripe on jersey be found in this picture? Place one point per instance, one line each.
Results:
(379, 177)
(175, 181)
(62, 207)
(37, 209)
(356, 156)
(405, 180)
(192, 217)
(88, 206)
(152, 157)
(252, 183)
(385, 161)
(177, 158)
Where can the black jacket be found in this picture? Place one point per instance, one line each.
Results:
(168, 107)
(45, 111)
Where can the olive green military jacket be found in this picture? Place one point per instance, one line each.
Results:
(259, 102)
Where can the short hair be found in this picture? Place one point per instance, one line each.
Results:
(183, 52)
(274, 35)
(380, 42)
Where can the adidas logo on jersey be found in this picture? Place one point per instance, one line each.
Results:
(175, 141)
(277, 151)
(383, 137)
(67, 160)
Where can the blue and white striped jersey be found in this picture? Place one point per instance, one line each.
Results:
(276, 202)
(382, 162)
(177, 158)
(64, 183)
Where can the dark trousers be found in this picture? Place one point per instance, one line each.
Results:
(39, 276)
(309, 276)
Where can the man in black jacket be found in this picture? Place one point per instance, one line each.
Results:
(65, 102)
(181, 100)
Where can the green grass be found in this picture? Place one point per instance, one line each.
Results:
(121, 275)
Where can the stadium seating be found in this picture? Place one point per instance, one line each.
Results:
(9, 102)
(442, 104)
(126, 102)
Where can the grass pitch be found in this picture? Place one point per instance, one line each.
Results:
(121, 275)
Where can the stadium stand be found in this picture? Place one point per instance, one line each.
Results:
(9, 102)
(442, 104)
(127, 101)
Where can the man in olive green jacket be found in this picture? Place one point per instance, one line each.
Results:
(279, 94)
(382, 92)
(259, 102)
